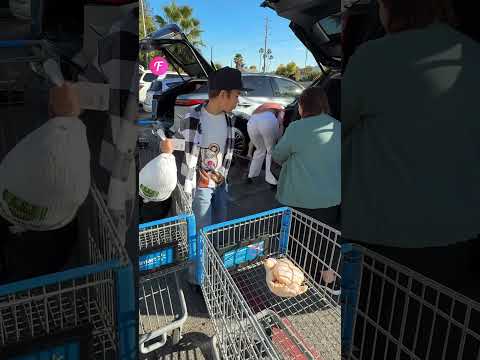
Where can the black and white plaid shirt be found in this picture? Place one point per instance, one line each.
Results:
(191, 131)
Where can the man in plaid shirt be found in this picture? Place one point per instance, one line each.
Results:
(209, 142)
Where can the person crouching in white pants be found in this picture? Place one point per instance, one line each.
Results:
(264, 128)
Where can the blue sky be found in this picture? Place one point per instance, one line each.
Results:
(232, 27)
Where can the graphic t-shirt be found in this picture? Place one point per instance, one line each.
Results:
(213, 140)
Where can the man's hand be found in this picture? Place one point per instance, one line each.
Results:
(63, 101)
(203, 179)
(166, 146)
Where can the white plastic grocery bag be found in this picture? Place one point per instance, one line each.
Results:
(45, 178)
(158, 178)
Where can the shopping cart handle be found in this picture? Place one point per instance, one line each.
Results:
(18, 43)
(155, 346)
(146, 122)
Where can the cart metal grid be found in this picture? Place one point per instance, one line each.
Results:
(148, 143)
(98, 295)
(391, 312)
(162, 306)
(250, 321)
(173, 239)
(182, 203)
(162, 310)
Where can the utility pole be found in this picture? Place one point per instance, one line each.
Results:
(265, 48)
(306, 56)
(211, 54)
(261, 51)
(143, 17)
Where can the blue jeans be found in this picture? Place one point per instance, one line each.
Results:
(210, 205)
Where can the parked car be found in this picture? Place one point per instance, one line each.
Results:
(265, 88)
(158, 86)
(172, 104)
(146, 78)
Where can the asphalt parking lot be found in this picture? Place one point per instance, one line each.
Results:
(244, 199)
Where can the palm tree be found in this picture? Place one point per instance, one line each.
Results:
(182, 16)
(238, 60)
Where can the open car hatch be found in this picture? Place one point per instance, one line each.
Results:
(178, 50)
(316, 23)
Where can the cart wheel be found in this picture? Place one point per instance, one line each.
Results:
(176, 336)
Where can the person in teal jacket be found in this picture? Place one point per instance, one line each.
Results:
(309, 152)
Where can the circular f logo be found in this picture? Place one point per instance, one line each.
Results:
(158, 66)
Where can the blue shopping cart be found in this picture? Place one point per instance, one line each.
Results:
(84, 312)
(166, 247)
(251, 322)
(391, 312)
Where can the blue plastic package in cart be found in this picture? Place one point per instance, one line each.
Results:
(63, 352)
(73, 344)
(244, 254)
(156, 259)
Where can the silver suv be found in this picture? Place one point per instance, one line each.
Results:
(265, 88)
(171, 105)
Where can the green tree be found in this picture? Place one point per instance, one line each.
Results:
(281, 70)
(252, 68)
(183, 17)
(313, 75)
(289, 70)
(218, 65)
(239, 62)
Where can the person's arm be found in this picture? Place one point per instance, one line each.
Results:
(284, 148)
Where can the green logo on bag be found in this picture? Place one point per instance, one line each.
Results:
(148, 192)
(23, 210)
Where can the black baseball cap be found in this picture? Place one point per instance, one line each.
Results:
(226, 78)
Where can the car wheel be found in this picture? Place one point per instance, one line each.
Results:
(240, 143)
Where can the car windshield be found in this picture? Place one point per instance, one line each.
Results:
(156, 86)
(331, 25)
(149, 77)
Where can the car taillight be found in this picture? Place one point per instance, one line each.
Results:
(189, 102)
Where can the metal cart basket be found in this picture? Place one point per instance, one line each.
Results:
(83, 312)
(391, 312)
(250, 321)
(166, 246)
